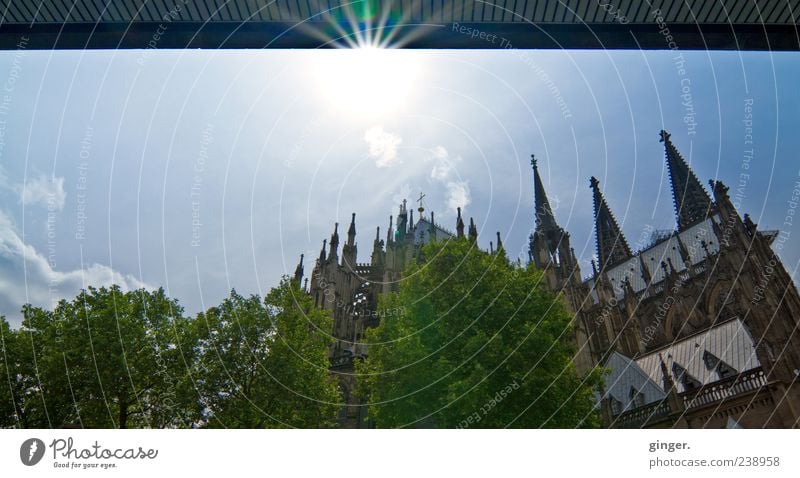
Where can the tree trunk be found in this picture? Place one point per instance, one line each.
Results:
(123, 414)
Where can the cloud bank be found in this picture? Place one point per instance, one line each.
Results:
(28, 276)
(44, 191)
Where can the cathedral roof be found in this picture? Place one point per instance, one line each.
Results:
(625, 375)
(422, 232)
(729, 343)
(665, 251)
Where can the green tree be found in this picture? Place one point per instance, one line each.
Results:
(264, 364)
(36, 395)
(479, 343)
(9, 379)
(106, 359)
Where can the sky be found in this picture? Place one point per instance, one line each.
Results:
(203, 171)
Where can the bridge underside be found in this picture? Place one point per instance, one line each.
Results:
(460, 24)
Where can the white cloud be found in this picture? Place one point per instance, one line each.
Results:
(441, 170)
(440, 153)
(45, 191)
(458, 194)
(383, 146)
(26, 275)
(443, 164)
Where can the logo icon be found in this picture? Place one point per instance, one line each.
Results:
(31, 451)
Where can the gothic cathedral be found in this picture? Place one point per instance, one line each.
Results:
(699, 329)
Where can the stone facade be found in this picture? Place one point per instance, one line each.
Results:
(714, 286)
(716, 268)
(350, 290)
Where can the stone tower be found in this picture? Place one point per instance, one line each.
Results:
(698, 329)
(350, 290)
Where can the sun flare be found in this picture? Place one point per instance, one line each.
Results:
(366, 81)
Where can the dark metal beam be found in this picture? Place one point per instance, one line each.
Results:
(258, 35)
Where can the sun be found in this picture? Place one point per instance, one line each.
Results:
(367, 81)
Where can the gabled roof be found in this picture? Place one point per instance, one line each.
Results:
(730, 342)
(624, 375)
(422, 232)
(664, 251)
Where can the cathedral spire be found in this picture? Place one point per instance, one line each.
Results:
(691, 201)
(545, 221)
(334, 247)
(351, 232)
(322, 251)
(459, 224)
(611, 244)
(377, 248)
(350, 250)
(402, 221)
(298, 272)
(389, 232)
(499, 242)
(473, 231)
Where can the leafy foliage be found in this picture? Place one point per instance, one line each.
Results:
(482, 345)
(264, 363)
(131, 359)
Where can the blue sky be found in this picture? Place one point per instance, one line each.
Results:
(202, 171)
